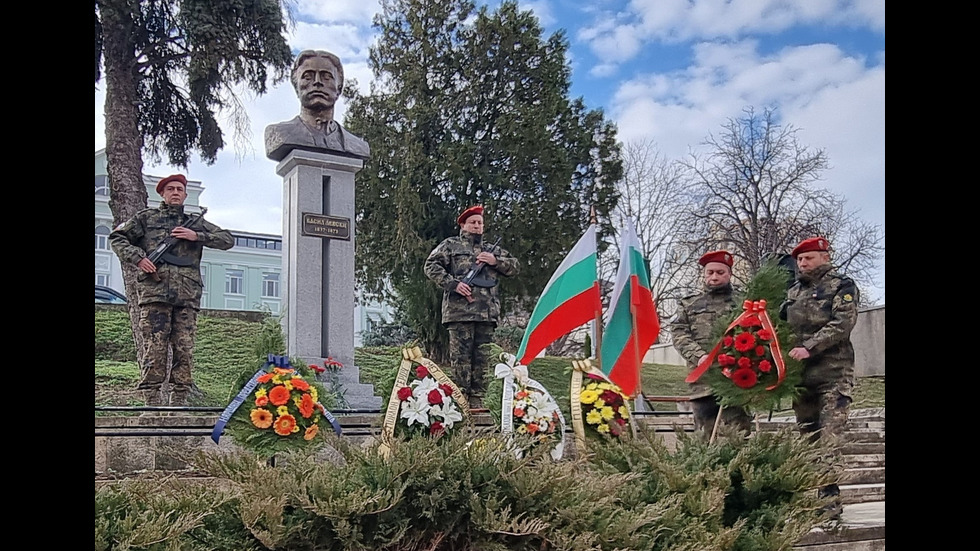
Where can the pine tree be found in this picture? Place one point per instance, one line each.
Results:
(472, 106)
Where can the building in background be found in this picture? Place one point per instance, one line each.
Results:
(247, 276)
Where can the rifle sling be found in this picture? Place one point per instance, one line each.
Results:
(176, 260)
(483, 282)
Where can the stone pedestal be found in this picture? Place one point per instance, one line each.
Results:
(318, 260)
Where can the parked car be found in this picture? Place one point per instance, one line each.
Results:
(108, 295)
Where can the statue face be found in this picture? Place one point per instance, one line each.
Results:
(317, 83)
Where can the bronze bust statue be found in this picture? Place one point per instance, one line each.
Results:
(318, 78)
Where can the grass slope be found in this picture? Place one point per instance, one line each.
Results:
(225, 347)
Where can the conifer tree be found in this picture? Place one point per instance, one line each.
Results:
(471, 106)
(170, 67)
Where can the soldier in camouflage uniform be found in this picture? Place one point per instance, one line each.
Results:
(821, 308)
(169, 295)
(693, 336)
(469, 312)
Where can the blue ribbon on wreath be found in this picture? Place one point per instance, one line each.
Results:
(243, 394)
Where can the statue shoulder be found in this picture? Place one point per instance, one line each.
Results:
(281, 136)
(354, 144)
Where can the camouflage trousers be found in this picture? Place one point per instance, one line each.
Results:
(821, 411)
(165, 327)
(467, 360)
(706, 412)
(823, 407)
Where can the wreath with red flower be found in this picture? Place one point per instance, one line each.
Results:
(747, 367)
(604, 408)
(423, 401)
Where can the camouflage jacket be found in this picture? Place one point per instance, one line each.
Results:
(448, 264)
(139, 236)
(692, 330)
(821, 308)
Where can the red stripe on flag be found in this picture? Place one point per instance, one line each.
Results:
(567, 316)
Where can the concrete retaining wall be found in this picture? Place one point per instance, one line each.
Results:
(868, 338)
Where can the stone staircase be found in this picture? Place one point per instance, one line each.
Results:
(358, 395)
(862, 488)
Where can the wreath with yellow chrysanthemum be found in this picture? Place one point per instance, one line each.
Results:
(604, 408)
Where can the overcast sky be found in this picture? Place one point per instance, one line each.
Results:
(669, 70)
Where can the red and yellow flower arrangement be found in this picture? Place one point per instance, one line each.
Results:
(604, 407)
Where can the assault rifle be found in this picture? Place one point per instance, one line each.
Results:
(472, 277)
(162, 252)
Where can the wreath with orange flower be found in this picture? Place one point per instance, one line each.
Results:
(282, 413)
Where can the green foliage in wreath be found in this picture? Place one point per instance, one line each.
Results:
(770, 284)
(266, 442)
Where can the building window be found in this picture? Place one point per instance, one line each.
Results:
(102, 185)
(101, 238)
(102, 279)
(234, 282)
(270, 285)
(204, 278)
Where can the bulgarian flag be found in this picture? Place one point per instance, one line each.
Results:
(570, 299)
(633, 325)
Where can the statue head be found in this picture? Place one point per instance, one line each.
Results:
(318, 78)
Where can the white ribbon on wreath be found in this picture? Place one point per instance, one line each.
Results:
(510, 371)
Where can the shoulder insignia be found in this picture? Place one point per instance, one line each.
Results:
(847, 297)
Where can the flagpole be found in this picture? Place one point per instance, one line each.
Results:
(597, 323)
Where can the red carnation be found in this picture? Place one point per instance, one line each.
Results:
(760, 350)
(744, 377)
(611, 398)
(446, 389)
(750, 321)
(744, 342)
(435, 396)
(763, 334)
(421, 372)
(765, 366)
(436, 428)
(404, 393)
(726, 372)
(727, 342)
(725, 359)
(317, 368)
(744, 362)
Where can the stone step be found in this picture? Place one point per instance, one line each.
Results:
(860, 461)
(863, 475)
(862, 528)
(863, 447)
(862, 493)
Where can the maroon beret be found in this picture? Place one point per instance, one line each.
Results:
(475, 209)
(172, 178)
(812, 244)
(724, 257)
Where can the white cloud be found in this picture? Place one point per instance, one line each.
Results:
(836, 103)
(332, 11)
